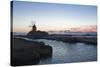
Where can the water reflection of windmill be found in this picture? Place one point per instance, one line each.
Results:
(34, 28)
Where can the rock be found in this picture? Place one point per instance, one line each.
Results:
(25, 57)
(45, 51)
(28, 53)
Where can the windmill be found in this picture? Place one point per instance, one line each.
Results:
(33, 26)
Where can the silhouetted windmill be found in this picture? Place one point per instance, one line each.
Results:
(34, 28)
(32, 23)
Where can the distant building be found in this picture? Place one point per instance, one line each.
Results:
(34, 28)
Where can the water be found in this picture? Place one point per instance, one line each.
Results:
(69, 52)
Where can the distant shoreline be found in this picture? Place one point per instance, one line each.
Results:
(60, 33)
(90, 39)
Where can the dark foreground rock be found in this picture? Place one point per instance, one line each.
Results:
(28, 53)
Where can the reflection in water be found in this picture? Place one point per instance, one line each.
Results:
(69, 52)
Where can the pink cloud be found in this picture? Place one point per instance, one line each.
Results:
(85, 28)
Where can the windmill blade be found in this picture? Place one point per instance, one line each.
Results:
(32, 22)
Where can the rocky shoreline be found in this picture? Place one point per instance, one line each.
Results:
(28, 53)
(67, 38)
(74, 39)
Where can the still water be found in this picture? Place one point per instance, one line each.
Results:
(69, 52)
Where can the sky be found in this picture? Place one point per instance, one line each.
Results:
(53, 17)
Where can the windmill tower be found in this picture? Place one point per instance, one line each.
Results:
(34, 28)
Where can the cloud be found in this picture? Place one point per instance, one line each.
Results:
(85, 28)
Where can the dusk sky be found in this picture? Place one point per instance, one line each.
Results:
(53, 17)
